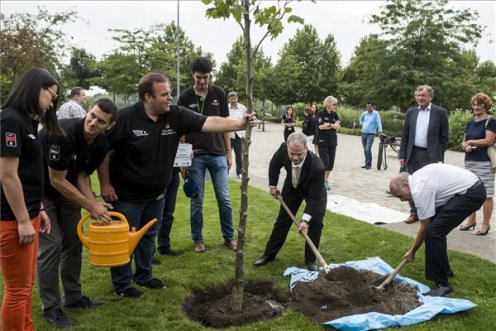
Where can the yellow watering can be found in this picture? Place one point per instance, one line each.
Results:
(111, 245)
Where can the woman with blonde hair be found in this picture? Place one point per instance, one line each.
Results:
(328, 122)
(480, 133)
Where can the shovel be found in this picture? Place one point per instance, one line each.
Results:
(391, 276)
(307, 238)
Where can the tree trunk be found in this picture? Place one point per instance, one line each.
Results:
(238, 289)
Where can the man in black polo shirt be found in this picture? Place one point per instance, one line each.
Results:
(144, 143)
(70, 161)
(212, 152)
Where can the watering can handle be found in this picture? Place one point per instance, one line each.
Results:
(84, 239)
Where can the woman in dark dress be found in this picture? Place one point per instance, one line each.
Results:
(289, 122)
(480, 133)
(328, 122)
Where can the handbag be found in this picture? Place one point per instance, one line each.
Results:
(491, 150)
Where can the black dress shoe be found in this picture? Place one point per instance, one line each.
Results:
(171, 252)
(57, 317)
(368, 167)
(262, 261)
(85, 302)
(439, 290)
(312, 266)
(364, 166)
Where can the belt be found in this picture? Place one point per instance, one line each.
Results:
(419, 147)
(367, 133)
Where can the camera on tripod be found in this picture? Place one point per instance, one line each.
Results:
(386, 141)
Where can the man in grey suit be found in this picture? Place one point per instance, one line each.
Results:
(425, 136)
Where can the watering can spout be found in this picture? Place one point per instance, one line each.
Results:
(134, 237)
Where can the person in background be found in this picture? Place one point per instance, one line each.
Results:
(315, 110)
(304, 181)
(370, 120)
(480, 133)
(425, 136)
(32, 100)
(308, 127)
(212, 152)
(288, 122)
(444, 195)
(328, 122)
(69, 162)
(74, 107)
(237, 111)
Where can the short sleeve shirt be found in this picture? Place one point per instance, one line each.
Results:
(327, 137)
(435, 184)
(144, 150)
(71, 153)
(215, 104)
(71, 109)
(19, 139)
(477, 130)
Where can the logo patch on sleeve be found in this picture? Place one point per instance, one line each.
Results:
(54, 153)
(10, 139)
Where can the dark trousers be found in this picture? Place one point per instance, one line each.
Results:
(418, 159)
(237, 146)
(59, 254)
(327, 154)
(284, 223)
(447, 218)
(163, 237)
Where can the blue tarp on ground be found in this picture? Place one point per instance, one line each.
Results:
(431, 305)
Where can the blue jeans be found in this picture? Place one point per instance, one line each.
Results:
(138, 214)
(367, 141)
(217, 166)
(163, 238)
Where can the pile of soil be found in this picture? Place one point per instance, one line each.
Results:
(346, 291)
(212, 307)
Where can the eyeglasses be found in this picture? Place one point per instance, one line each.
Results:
(54, 95)
(475, 105)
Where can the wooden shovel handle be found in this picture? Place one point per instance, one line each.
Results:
(393, 274)
(307, 238)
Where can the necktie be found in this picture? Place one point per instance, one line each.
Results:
(296, 176)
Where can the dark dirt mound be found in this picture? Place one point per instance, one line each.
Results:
(346, 291)
(212, 307)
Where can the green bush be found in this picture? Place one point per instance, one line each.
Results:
(392, 121)
(457, 121)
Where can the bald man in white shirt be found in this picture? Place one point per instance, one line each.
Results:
(444, 196)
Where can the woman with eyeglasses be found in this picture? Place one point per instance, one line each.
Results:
(32, 100)
(480, 133)
(328, 122)
(289, 122)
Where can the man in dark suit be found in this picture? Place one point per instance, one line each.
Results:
(425, 136)
(304, 181)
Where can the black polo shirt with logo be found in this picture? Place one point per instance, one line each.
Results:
(144, 150)
(71, 152)
(215, 104)
(19, 139)
(327, 137)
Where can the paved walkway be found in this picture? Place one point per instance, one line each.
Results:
(349, 180)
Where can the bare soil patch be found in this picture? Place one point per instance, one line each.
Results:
(346, 291)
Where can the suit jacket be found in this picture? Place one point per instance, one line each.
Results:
(437, 135)
(311, 184)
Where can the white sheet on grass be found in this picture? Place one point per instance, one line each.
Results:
(364, 211)
(431, 306)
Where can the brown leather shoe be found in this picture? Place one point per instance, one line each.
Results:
(411, 219)
(231, 244)
(199, 247)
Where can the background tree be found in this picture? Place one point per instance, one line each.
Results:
(314, 67)
(270, 18)
(82, 67)
(424, 39)
(32, 40)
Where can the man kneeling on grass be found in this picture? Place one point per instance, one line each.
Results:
(444, 196)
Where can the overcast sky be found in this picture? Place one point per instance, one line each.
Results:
(346, 20)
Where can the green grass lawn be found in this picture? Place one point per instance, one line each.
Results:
(343, 239)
